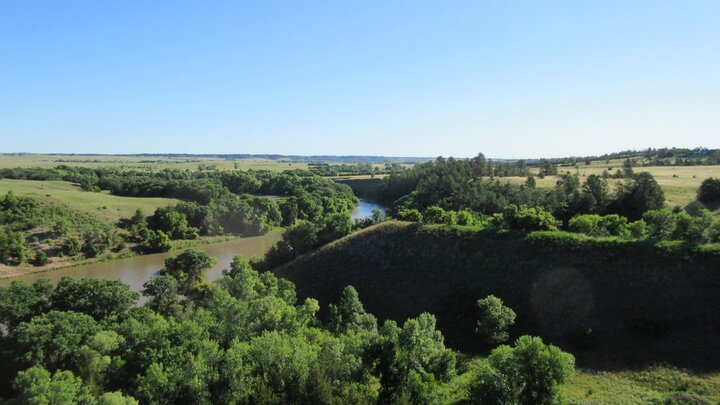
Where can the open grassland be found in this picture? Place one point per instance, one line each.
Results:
(680, 183)
(654, 385)
(148, 162)
(103, 205)
(650, 386)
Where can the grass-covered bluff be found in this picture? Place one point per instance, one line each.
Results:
(615, 303)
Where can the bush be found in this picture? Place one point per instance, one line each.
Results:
(71, 246)
(412, 215)
(434, 215)
(529, 218)
(41, 258)
(156, 242)
(12, 248)
(661, 223)
(709, 190)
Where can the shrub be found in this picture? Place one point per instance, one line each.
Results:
(709, 190)
(529, 218)
(41, 258)
(661, 223)
(156, 241)
(434, 215)
(71, 246)
(465, 217)
(410, 215)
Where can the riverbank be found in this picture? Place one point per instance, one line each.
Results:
(135, 271)
(7, 272)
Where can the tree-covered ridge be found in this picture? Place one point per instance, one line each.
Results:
(607, 298)
(244, 339)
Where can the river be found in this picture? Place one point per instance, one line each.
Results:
(365, 209)
(135, 271)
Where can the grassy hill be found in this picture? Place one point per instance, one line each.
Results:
(615, 304)
(107, 207)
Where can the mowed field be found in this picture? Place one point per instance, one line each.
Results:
(103, 205)
(680, 183)
(192, 163)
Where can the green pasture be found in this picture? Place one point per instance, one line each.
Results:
(192, 163)
(680, 183)
(102, 204)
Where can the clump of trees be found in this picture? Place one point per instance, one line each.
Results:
(527, 373)
(305, 236)
(458, 185)
(709, 191)
(244, 339)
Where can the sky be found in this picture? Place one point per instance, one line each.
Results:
(511, 79)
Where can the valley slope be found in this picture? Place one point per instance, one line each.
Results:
(613, 303)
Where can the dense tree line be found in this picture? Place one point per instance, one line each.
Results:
(327, 169)
(213, 203)
(694, 225)
(465, 185)
(654, 157)
(244, 339)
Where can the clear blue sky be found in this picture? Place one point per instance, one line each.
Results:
(411, 78)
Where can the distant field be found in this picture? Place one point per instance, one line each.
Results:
(192, 163)
(679, 190)
(104, 205)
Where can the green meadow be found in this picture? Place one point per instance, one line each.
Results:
(148, 162)
(680, 183)
(106, 206)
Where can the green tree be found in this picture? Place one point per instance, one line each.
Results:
(61, 227)
(434, 215)
(20, 302)
(533, 369)
(12, 247)
(101, 299)
(188, 267)
(661, 224)
(350, 314)
(156, 242)
(163, 292)
(490, 386)
(116, 398)
(595, 189)
(41, 258)
(335, 226)
(494, 319)
(410, 215)
(709, 191)
(301, 237)
(71, 246)
(173, 223)
(637, 195)
(54, 339)
(404, 355)
(37, 386)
